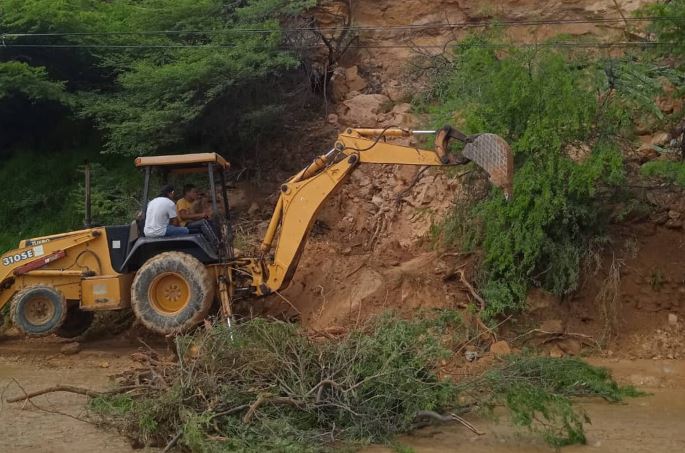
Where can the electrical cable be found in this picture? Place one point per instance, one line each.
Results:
(566, 44)
(472, 24)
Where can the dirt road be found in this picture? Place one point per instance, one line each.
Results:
(654, 423)
(36, 364)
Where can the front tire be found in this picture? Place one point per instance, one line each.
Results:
(38, 310)
(171, 293)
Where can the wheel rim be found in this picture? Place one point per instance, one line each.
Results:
(169, 293)
(38, 310)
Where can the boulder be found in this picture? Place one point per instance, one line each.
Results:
(363, 109)
(338, 88)
(661, 139)
(500, 348)
(355, 82)
(395, 91)
(552, 326)
(672, 319)
(539, 299)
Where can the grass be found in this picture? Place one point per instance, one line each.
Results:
(672, 171)
(267, 385)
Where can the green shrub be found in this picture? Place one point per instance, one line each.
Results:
(672, 171)
(544, 102)
(364, 387)
(537, 392)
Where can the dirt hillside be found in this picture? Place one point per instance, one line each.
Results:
(371, 249)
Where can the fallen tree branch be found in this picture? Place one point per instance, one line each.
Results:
(471, 289)
(69, 389)
(271, 400)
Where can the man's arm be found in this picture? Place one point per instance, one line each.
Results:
(171, 212)
(185, 214)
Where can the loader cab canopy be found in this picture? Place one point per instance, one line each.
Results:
(184, 163)
(211, 164)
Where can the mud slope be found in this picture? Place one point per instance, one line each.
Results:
(371, 248)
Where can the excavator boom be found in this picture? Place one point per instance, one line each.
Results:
(303, 195)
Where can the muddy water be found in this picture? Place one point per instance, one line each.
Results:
(654, 423)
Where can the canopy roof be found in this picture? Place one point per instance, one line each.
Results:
(183, 161)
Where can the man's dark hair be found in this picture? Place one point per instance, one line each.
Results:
(187, 188)
(166, 190)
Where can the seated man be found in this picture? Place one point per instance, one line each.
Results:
(161, 218)
(187, 206)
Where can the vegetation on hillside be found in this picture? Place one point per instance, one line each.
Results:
(565, 114)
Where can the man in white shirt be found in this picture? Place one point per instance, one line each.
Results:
(161, 218)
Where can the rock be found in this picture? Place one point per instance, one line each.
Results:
(552, 326)
(395, 91)
(556, 352)
(363, 109)
(672, 319)
(673, 224)
(674, 215)
(539, 299)
(332, 119)
(338, 88)
(103, 364)
(571, 346)
(665, 104)
(660, 218)
(645, 153)
(500, 348)
(579, 152)
(661, 139)
(401, 108)
(354, 81)
(70, 348)
(254, 209)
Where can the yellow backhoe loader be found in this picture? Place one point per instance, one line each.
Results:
(56, 283)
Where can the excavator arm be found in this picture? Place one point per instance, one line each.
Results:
(303, 195)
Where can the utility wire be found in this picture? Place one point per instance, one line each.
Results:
(357, 28)
(623, 44)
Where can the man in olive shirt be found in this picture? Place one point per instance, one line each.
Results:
(186, 206)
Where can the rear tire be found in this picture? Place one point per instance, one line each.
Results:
(76, 322)
(38, 310)
(171, 293)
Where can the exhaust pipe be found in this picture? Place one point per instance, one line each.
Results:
(87, 221)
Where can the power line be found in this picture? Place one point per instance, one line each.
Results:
(563, 44)
(356, 28)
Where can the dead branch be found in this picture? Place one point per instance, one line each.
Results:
(50, 411)
(69, 389)
(471, 289)
(271, 400)
(173, 441)
(401, 195)
(448, 418)
(468, 425)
